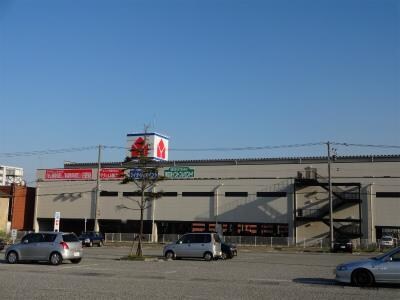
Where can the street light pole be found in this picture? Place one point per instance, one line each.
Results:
(330, 197)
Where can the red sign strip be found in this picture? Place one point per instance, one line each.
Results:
(111, 174)
(68, 174)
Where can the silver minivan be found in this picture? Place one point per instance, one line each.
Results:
(199, 245)
(53, 247)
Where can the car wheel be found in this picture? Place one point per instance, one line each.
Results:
(55, 259)
(12, 257)
(169, 255)
(207, 256)
(99, 244)
(223, 256)
(76, 260)
(91, 244)
(362, 278)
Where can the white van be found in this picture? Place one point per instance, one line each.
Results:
(199, 245)
(387, 241)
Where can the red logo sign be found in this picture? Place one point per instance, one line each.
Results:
(110, 174)
(161, 151)
(139, 148)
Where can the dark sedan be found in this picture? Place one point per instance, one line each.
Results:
(228, 250)
(91, 238)
(343, 245)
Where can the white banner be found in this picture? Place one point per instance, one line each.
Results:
(57, 217)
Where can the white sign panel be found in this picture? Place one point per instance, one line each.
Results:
(57, 217)
(14, 235)
(152, 145)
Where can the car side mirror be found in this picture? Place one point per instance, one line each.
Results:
(388, 259)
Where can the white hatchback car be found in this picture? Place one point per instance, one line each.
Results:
(53, 247)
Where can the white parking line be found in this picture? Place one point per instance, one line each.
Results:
(75, 267)
(269, 280)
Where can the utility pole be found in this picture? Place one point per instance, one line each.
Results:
(96, 221)
(330, 196)
(154, 232)
(216, 206)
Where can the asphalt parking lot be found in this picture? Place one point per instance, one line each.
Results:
(252, 275)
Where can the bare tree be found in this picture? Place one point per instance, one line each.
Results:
(143, 173)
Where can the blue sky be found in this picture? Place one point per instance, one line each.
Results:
(209, 73)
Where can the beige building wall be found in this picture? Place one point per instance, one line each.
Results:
(4, 202)
(76, 199)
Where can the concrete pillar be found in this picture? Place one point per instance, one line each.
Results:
(35, 213)
(154, 233)
(367, 213)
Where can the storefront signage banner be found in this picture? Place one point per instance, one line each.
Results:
(138, 174)
(83, 174)
(68, 174)
(179, 172)
(111, 174)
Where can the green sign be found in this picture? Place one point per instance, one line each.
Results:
(179, 172)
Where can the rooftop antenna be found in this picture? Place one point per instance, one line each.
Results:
(154, 122)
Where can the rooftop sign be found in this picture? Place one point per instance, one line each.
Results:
(152, 145)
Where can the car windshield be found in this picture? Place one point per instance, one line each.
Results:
(70, 238)
(389, 253)
(343, 241)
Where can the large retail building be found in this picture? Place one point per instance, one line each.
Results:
(286, 197)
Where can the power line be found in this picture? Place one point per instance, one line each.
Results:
(249, 148)
(232, 148)
(46, 152)
(367, 145)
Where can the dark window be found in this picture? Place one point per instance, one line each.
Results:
(387, 194)
(131, 194)
(36, 238)
(271, 194)
(70, 238)
(196, 239)
(396, 256)
(236, 194)
(169, 194)
(49, 238)
(197, 194)
(138, 194)
(27, 238)
(206, 238)
(187, 239)
(108, 194)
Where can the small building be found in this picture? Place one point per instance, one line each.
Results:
(10, 175)
(17, 205)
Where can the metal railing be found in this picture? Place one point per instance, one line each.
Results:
(249, 241)
(271, 242)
